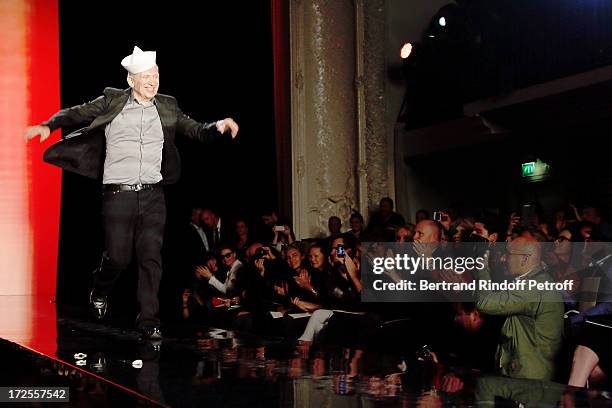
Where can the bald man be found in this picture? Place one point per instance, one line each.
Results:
(531, 334)
(427, 232)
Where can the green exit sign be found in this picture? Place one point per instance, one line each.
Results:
(528, 169)
(535, 170)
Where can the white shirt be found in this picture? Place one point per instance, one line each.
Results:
(230, 280)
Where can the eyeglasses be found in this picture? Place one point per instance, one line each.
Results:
(561, 239)
(227, 255)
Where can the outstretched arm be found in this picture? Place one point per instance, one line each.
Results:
(75, 115)
(204, 132)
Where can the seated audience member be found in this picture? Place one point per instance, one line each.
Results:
(564, 263)
(342, 289)
(487, 227)
(601, 227)
(592, 363)
(283, 236)
(532, 331)
(385, 219)
(334, 224)
(318, 260)
(196, 305)
(305, 286)
(254, 283)
(242, 238)
(474, 345)
(557, 223)
(584, 231)
(231, 263)
(461, 229)
(343, 283)
(197, 299)
(356, 223)
(405, 233)
(427, 238)
(275, 224)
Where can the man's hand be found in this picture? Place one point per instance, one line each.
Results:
(34, 131)
(259, 264)
(303, 280)
(204, 272)
(282, 289)
(446, 221)
(228, 123)
(268, 255)
(514, 221)
(425, 249)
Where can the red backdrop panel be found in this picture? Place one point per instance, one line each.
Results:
(45, 180)
(29, 189)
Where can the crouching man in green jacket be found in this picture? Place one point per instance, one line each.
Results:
(531, 334)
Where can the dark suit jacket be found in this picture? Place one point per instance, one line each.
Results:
(227, 235)
(83, 152)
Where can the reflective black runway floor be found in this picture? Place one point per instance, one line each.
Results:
(109, 365)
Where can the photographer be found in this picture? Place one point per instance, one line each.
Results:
(263, 273)
(531, 335)
(343, 283)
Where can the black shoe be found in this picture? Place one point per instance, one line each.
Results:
(151, 333)
(99, 305)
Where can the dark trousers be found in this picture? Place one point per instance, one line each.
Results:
(134, 226)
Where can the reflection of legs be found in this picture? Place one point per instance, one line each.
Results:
(316, 323)
(148, 243)
(585, 361)
(119, 215)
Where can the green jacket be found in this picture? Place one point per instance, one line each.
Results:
(532, 332)
(525, 392)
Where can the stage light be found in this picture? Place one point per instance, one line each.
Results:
(442, 22)
(406, 50)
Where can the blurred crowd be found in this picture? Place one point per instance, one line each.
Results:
(265, 282)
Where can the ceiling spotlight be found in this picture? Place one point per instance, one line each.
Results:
(406, 50)
(442, 22)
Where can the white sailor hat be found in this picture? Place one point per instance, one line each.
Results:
(139, 61)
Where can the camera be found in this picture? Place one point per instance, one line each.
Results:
(424, 353)
(439, 217)
(340, 251)
(259, 253)
(279, 228)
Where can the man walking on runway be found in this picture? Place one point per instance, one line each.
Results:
(129, 145)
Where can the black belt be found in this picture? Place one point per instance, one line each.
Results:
(130, 187)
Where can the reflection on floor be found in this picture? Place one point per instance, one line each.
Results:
(212, 367)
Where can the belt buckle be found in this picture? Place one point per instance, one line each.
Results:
(138, 187)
